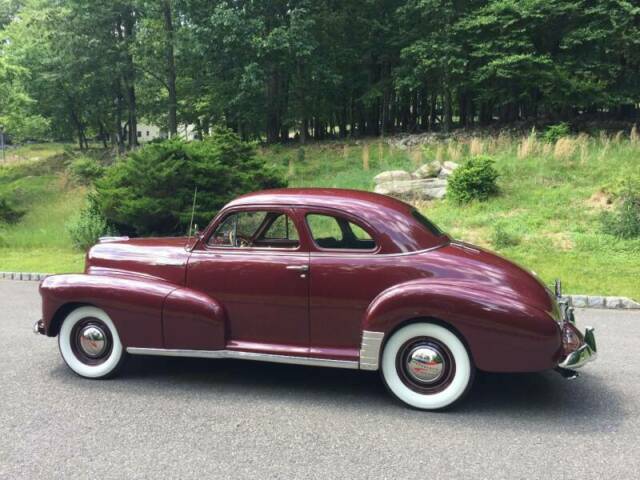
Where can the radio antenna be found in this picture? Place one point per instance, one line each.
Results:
(193, 211)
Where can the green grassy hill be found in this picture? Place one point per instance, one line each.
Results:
(547, 216)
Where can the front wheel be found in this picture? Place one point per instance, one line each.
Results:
(89, 343)
(427, 366)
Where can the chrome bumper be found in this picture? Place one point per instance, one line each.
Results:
(587, 352)
(38, 327)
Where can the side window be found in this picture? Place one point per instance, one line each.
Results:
(281, 228)
(338, 233)
(255, 229)
(237, 229)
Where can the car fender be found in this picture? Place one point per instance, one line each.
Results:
(140, 306)
(502, 332)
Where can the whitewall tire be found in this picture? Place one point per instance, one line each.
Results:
(89, 343)
(427, 366)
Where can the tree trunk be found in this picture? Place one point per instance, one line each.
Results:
(103, 135)
(172, 121)
(129, 79)
(273, 110)
(447, 113)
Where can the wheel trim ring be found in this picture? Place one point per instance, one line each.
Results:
(426, 388)
(77, 348)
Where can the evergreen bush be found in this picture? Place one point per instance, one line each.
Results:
(473, 180)
(151, 190)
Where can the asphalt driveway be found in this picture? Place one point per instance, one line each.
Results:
(190, 418)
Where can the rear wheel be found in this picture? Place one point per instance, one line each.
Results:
(427, 366)
(89, 343)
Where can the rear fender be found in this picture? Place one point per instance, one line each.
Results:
(502, 333)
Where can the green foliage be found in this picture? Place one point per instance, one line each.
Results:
(501, 237)
(553, 133)
(8, 213)
(151, 190)
(625, 221)
(271, 70)
(86, 170)
(87, 226)
(473, 180)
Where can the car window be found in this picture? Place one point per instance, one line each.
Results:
(281, 228)
(426, 223)
(333, 232)
(255, 229)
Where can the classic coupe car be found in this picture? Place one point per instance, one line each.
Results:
(319, 277)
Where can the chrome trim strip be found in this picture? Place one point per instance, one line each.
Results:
(370, 350)
(262, 357)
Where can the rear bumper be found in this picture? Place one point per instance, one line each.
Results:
(585, 353)
(586, 350)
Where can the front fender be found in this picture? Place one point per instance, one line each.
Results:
(140, 307)
(503, 333)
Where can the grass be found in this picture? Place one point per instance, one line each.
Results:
(38, 184)
(547, 216)
(33, 152)
(548, 210)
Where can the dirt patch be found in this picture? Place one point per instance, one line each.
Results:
(561, 241)
(601, 200)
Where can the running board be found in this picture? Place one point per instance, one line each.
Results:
(260, 357)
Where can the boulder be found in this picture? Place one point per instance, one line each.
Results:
(447, 169)
(428, 170)
(391, 176)
(425, 189)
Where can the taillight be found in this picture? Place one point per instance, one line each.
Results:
(571, 338)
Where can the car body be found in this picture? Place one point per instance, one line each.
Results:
(324, 277)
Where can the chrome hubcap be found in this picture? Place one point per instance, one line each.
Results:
(425, 364)
(93, 341)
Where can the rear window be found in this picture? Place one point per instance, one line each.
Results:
(426, 223)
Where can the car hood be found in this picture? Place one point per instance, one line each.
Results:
(161, 257)
(487, 270)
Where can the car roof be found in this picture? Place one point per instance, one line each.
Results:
(346, 199)
(391, 218)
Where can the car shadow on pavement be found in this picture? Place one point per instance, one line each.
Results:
(586, 404)
(548, 401)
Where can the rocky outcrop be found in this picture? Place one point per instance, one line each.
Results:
(428, 182)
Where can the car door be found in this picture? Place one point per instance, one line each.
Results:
(346, 274)
(256, 265)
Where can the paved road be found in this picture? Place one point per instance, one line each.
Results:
(188, 418)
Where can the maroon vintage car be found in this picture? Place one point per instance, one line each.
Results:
(324, 277)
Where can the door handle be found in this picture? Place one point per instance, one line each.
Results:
(298, 268)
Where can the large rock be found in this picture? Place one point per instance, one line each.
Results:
(428, 170)
(447, 169)
(391, 176)
(427, 188)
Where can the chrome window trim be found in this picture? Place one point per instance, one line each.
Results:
(235, 354)
(370, 350)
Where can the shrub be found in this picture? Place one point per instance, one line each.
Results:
(151, 190)
(473, 180)
(553, 133)
(86, 170)
(9, 214)
(625, 221)
(502, 238)
(88, 226)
